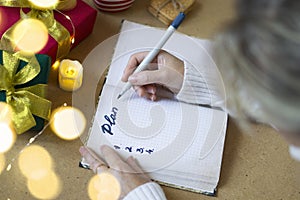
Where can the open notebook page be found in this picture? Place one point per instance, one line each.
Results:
(175, 142)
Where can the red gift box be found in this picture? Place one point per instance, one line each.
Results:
(83, 17)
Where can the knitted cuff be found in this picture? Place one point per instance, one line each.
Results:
(150, 190)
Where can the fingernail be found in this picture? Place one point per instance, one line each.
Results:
(132, 79)
(153, 98)
(153, 91)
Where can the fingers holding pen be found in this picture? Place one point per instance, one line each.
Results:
(134, 61)
(146, 91)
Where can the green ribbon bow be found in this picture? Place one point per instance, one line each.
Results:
(26, 101)
(55, 29)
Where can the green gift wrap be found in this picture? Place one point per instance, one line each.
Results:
(23, 82)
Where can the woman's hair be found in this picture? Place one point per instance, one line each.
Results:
(258, 55)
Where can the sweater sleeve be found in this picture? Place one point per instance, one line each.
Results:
(150, 190)
(202, 86)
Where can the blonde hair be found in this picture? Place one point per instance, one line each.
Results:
(259, 58)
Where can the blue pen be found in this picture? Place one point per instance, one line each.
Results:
(152, 54)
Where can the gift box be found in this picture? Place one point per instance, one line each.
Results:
(26, 88)
(83, 17)
(167, 10)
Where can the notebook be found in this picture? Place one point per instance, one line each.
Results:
(176, 143)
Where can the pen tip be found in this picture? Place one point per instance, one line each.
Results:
(119, 96)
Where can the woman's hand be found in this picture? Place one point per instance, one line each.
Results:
(165, 71)
(128, 172)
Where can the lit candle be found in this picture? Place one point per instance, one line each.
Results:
(70, 75)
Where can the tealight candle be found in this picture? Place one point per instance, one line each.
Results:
(70, 75)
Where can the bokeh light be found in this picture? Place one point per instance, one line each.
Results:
(5, 113)
(35, 162)
(68, 122)
(48, 187)
(2, 162)
(55, 65)
(7, 137)
(3, 20)
(30, 35)
(104, 186)
(44, 3)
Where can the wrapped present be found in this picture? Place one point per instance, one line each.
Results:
(167, 10)
(66, 4)
(23, 82)
(77, 22)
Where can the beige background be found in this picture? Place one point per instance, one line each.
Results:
(256, 163)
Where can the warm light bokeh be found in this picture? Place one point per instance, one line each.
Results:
(2, 162)
(104, 186)
(7, 137)
(55, 65)
(44, 3)
(5, 113)
(48, 187)
(3, 20)
(30, 35)
(35, 162)
(68, 122)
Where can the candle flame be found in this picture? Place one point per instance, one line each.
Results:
(70, 72)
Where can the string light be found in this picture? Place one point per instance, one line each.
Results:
(30, 141)
(72, 37)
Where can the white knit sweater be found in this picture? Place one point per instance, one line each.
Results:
(202, 85)
(150, 190)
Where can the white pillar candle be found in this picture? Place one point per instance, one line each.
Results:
(70, 75)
